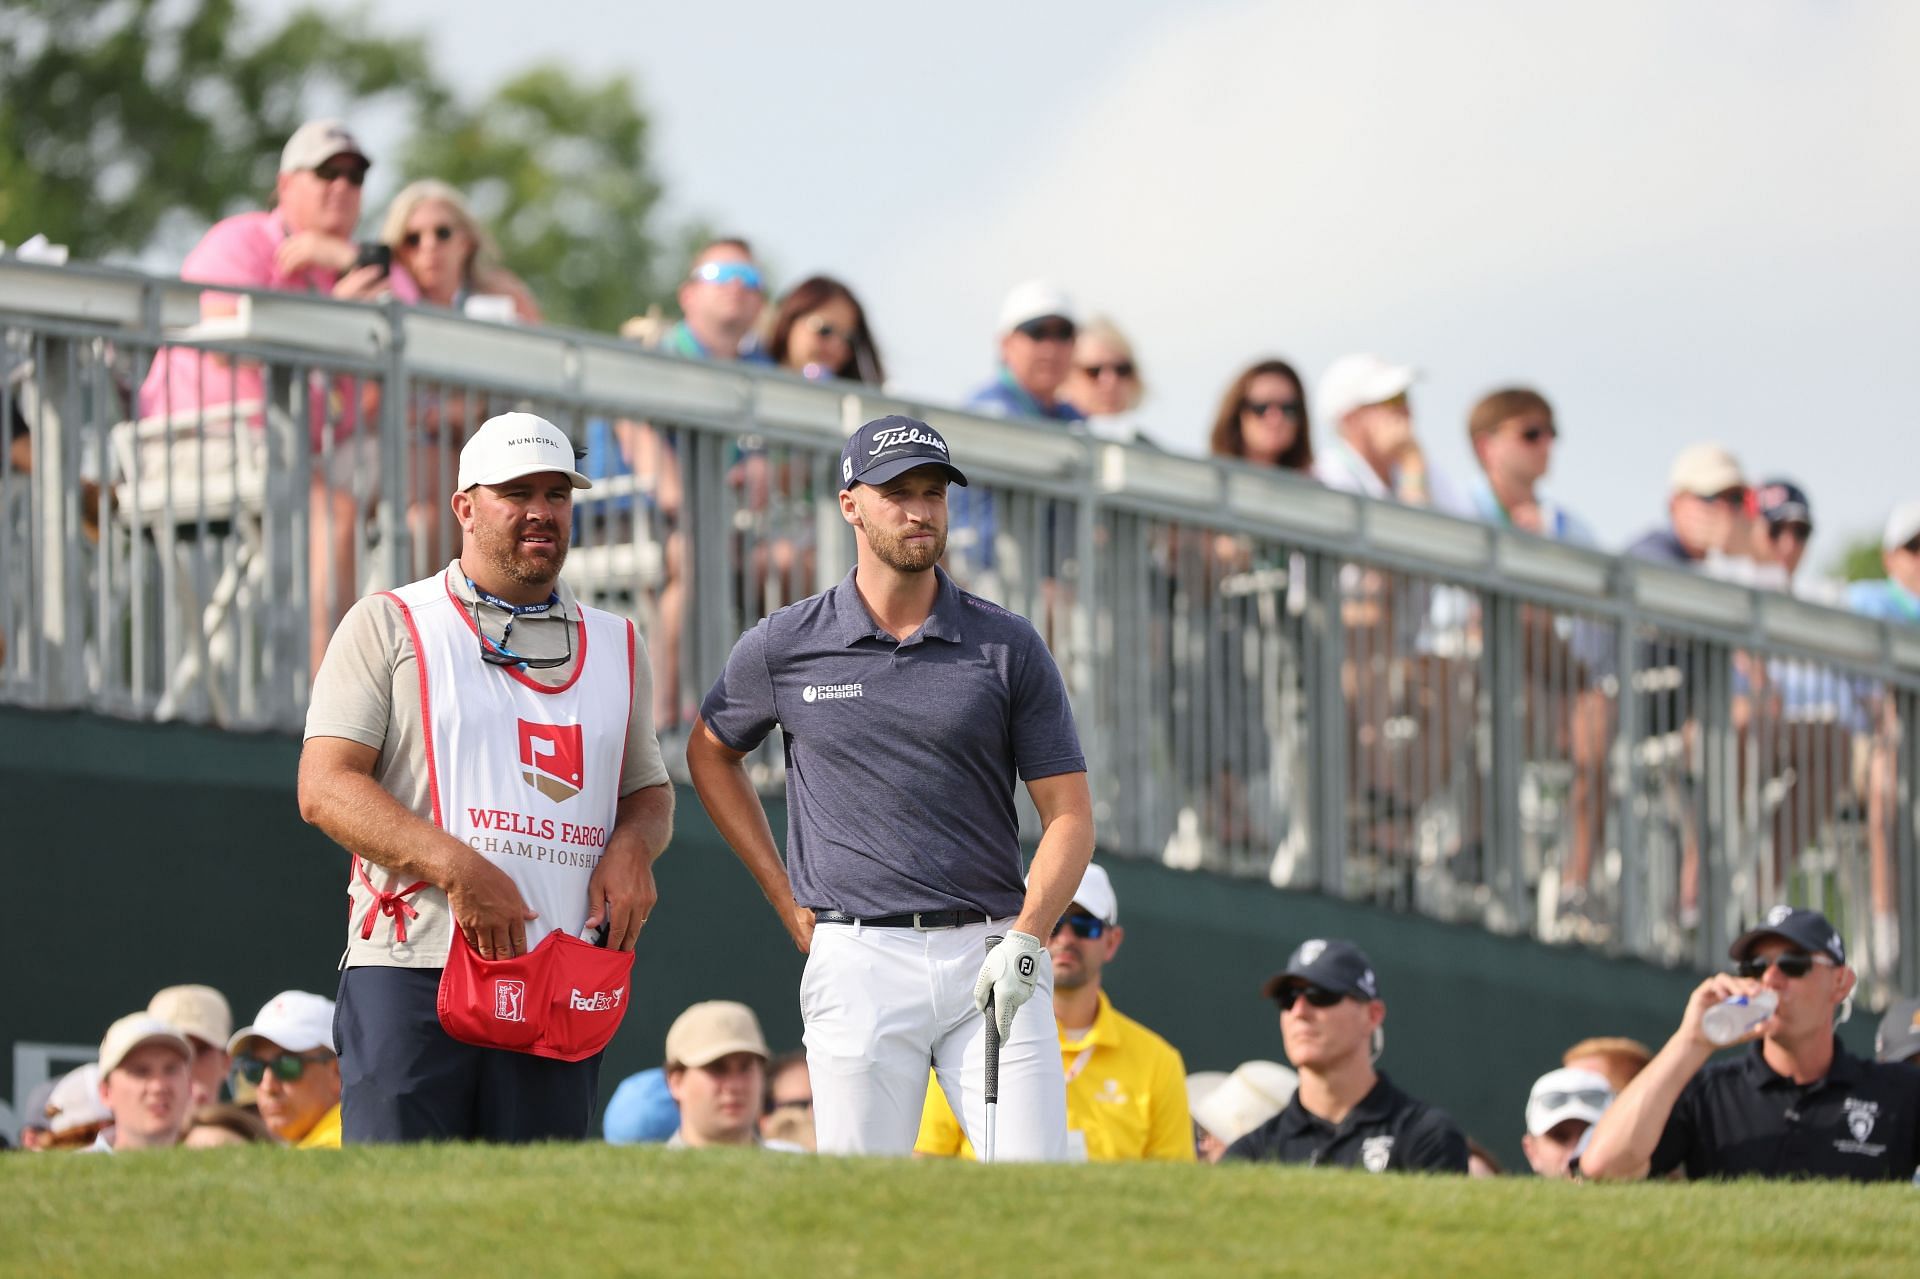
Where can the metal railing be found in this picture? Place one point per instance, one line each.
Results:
(1273, 680)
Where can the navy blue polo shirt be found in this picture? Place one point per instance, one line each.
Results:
(1740, 1118)
(901, 754)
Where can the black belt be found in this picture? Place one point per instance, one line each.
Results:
(922, 920)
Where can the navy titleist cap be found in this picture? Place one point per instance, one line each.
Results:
(1331, 965)
(1783, 502)
(1807, 929)
(890, 446)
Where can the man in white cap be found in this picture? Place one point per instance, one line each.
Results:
(1364, 400)
(1126, 1086)
(1037, 329)
(483, 745)
(76, 1113)
(146, 1081)
(287, 1054)
(717, 1074)
(1563, 1105)
(1706, 501)
(202, 1015)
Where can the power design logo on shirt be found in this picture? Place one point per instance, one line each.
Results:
(552, 759)
(831, 692)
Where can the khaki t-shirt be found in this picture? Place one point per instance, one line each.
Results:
(368, 691)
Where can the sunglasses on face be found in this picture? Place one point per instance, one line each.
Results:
(1288, 409)
(1736, 498)
(1318, 996)
(744, 274)
(413, 239)
(1119, 368)
(287, 1067)
(355, 174)
(829, 331)
(1798, 532)
(1047, 330)
(793, 1103)
(1794, 963)
(1911, 547)
(1088, 927)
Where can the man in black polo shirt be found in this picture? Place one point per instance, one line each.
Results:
(1796, 1104)
(907, 708)
(1345, 1113)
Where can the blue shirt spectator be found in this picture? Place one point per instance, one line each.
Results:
(1896, 597)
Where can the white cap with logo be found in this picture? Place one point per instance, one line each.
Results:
(292, 1020)
(1355, 381)
(318, 141)
(516, 444)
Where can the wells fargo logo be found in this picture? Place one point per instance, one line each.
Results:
(551, 759)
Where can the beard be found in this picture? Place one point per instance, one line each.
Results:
(896, 552)
(500, 548)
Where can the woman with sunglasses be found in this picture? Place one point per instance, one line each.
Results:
(438, 242)
(1105, 382)
(819, 330)
(1262, 419)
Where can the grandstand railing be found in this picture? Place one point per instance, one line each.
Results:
(1273, 680)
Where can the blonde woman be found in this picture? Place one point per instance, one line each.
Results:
(1105, 382)
(437, 241)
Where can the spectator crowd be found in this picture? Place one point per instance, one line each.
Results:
(178, 1074)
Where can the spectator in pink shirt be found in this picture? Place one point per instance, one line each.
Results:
(303, 244)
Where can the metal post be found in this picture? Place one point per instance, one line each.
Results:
(1327, 723)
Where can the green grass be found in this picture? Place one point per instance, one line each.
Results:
(591, 1209)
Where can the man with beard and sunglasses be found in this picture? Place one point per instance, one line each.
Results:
(1345, 1113)
(1126, 1086)
(483, 745)
(1796, 1103)
(907, 707)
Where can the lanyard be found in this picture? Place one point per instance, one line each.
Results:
(514, 612)
(1079, 1063)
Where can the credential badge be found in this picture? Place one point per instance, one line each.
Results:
(1375, 1152)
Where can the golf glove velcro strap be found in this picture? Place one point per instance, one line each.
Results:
(1008, 975)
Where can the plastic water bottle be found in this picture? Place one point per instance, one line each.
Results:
(1729, 1019)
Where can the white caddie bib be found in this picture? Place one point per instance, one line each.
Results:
(527, 775)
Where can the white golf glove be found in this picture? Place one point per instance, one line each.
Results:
(1008, 976)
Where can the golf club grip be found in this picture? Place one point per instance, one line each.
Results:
(993, 1039)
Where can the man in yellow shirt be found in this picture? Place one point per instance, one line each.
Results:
(1126, 1086)
(288, 1055)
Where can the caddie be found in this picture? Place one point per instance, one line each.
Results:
(907, 708)
(482, 744)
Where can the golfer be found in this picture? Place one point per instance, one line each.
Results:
(483, 745)
(907, 707)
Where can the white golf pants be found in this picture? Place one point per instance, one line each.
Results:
(881, 1004)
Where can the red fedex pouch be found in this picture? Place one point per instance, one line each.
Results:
(563, 999)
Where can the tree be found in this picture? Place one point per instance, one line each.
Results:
(557, 169)
(118, 119)
(1859, 560)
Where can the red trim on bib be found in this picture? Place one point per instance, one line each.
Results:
(626, 738)
(426, 703)
(579, 665)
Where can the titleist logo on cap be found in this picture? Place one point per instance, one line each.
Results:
(901, 436)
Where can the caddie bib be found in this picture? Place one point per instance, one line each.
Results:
(528, 775)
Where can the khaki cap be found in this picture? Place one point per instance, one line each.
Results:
(709, 1031)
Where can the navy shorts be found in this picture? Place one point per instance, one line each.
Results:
(403, 1078)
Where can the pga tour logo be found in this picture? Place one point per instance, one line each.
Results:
(600, 1001)
(830, 692)
(509, 999)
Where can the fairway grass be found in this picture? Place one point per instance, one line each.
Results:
(594, 1209)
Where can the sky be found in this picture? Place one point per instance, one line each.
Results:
(1678, 221)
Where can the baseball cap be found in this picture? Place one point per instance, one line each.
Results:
(708, 1031)
(1563, 1094)
(75, 1101)
(1355, 381)
(198, 1011)
(890, 446)
(1783, 502)
(641, 1109)
(1807, 929)
(1097, 896)
(1254, 1092)
(136, 1030)
(1704, 470)
(1899, 1035)
(318, 141)
(34, 1113)
(1331, 965)
(1034, 300)
(1902, 526)
(292, 1020)
(516, 444)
